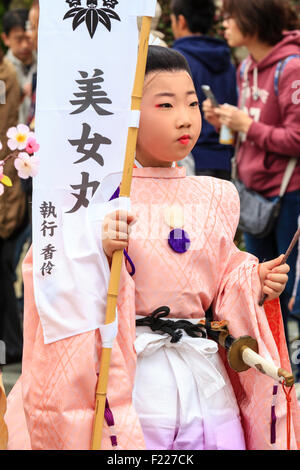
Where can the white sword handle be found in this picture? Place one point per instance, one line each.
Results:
(252, 359)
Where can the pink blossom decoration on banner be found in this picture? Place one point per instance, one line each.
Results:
(27, 166)
(23, 144)
(18, 137)
(32, 146)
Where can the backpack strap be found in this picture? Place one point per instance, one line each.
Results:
(279, 69)
(243, 68)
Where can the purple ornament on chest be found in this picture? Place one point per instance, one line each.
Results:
(179, 240)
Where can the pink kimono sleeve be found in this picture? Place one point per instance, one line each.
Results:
(52, 405)
(237, 301)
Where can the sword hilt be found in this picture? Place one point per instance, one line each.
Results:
(242, 352)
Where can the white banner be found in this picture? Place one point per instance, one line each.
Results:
(86, 66)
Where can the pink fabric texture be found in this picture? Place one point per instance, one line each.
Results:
(59, 379)
(52, 405)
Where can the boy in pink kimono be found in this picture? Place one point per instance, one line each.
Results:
(170, 390)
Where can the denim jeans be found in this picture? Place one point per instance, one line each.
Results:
(277, 243)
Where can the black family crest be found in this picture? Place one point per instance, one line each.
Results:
(92, 15)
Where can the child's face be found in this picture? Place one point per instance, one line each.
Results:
(19, 43)
(170, 119)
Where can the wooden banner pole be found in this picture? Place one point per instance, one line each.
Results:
(117, 259)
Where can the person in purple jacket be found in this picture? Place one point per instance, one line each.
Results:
(210, 62)
(269, 121)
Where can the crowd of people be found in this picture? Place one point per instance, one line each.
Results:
(259, 101)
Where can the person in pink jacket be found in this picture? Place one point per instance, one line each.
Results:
(269, 123)
(170, 387)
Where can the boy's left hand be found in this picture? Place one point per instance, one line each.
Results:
(273, 277)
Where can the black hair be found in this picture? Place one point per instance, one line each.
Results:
(266, 18)
(199, 14)
(165, 60)
(13, 19)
